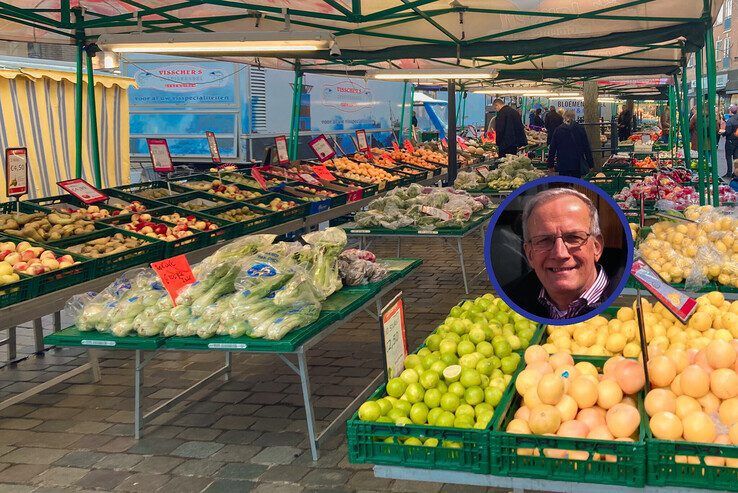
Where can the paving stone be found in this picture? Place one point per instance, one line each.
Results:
(241, 471)
(229, 486)
(416, 486)
(326, 477)
(365, 480)
(236, 453)
(143, 482)
(186, 485)
(19, 423)
(276, 455)
(81, 458)
(60, 476)
(278, 488)
(199, 434)
(33, 455)
(234, 422)
(197, 450)
(198, 467)
(120, 444)
(22, 473)
(154, 446)
(103, 479)
(14, 488)
(119, 461)
(158, 464)
(289, 473)
(240, 437)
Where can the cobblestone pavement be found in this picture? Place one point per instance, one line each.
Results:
(245, 435)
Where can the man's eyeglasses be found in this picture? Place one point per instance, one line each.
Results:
(573, 240)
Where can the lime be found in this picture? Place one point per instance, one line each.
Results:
(385, 419)
(448, 345)
(457, 388)
(484, 367)
(463, 422)
(389, 440)
(470, 360)
(467, 305)
(442, 386)
(509, 364)
(412, 361)
(485, 417)
(429, 360)
(502, 348)
(514, 342)
(457, 327)
(423, 352)
(485, 349)
(433, 415)
(474, 395)
(449, 358)
(409, 376)
(483, 408)
(370, 411)
(465, 410)
(431, 442)
(396, 387)
(433, 342)
(485, 381)
(453, 336)
(465, 347)
(384, 405)
(480, 425)
(419, 413)
(492, 396)
(446, 419)
(429, 379)
(390, 399)
(470, 378)
(456, 311)
(403, 406)
(501, 317)
(496, 363)
(452, 373)
(438, 367)
(449, 402)
(414, 393)
(402, 421)
(450, 444)
(412, 441)
(395, 413)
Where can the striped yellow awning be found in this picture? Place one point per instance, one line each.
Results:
(37, 112)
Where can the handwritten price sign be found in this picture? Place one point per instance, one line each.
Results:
(175, 274)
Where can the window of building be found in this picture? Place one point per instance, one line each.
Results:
(727, 8)
(726, 54)
(719, 18)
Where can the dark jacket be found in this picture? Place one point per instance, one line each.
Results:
(537, 121)
(525, 290)
(569, 145)
(552, 122)
(730, 127)
(509, 129)
(625, 125)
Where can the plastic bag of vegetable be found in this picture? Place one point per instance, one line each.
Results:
(326, 246)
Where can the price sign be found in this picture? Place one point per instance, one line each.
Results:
(354, 195)
(308, 178)
(323, 173)
(462, 144)
(161, 159)
(678, 303)
(361, 139)
(395, 146)
(282, 155)
(387, 157)
(444, 143)
(175, 274)
(394, 341)
(408, 146)
(256, 175)
(83, 190)
(213, 146)
(16, 171)
(322, 148)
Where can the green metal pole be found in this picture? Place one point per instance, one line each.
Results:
(92, 111)
(78, 116)
(412, 109)
(463, 108)
(686, 139)
(700, 118)
(295, 122)
(402, 114)
(672, 117)
(712, 114)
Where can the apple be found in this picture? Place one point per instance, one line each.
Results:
(66, 258)
(5, 269)
(28, 255)
(4, 253)
(13, 258)
(50, 263)
(8, 245)
(47, 254)
(20, 266)
(22, 246)
(35, 270)
(63, 265)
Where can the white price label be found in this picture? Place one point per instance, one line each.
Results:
(83, 190)
(322, 148)
(92, 342)
(226, 345)
(161, 159)
(362, 141)
(282, 154)
(393, 336)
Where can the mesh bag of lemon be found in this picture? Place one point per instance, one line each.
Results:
(458, 377)
(615, 332)
(695, 252)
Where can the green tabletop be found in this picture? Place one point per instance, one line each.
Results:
(476, 220)
(72, 336)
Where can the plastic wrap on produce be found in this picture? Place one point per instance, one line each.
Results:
(359, 267)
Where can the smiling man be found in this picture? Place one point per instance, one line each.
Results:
(563, 245)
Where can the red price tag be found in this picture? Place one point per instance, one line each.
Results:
(444, 142)
(16, 171)
(355, 195)
(388, 157)
(322, 148)
(213, 146)
(161, 159)
(175, 274)
(369, 155)
(323, 173)
(256, 175)
(308, 178)
(362, 140)
(678, 303)
(462, 144)
(282, 155)
(395, 146)
(409, 146)
(83, 190)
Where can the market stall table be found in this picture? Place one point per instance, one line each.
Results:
(339, 308)
(368, 234)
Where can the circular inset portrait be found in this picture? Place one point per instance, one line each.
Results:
(558, 250)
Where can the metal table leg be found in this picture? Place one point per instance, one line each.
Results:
(11, 342)
(57, 321)
(93, 358)
(38, 336)
(138, 384)
(310, 417)
(463, 267)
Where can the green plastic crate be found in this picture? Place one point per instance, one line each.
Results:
(118, 196)
(152, 251)
(301, 210)
(245, 227)
(339, 199)
(21, 290)
(629, 469)
(59, 201)
(30, 208)
(73, 337)
(133, 190)
(186, 184)
(226, 230)
(471, 453)
(179, 246)
(181, 200)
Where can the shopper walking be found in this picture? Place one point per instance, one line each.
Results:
(509, 130)
(537, 120)
(625, 122)
(570, 153)
(731, 140)
(552, 122)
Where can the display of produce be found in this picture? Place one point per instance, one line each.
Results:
(363, 172)
(321, 193)
(512, 172)
(424, 207)
(646, 163)
(277, 204)
(577, 400)
(535, 137)
(458, 378)
(606, 335)
(153, 193)
(238, 215)
(359, 267)
(106, 245)
(694, 399)
(43, 227)
(198, 204)
(252, 287)
(224, 167)
(668, 189)
(695, 252)
(143, 224)
(94, 212)
(242, 179)
(412, 159)
(191, 222)
(221, 189)
(22, 257)
(471, 181)
(431, 156)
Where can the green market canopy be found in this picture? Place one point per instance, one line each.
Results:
(523, 39)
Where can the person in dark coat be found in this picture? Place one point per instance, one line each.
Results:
(509, 130)
(537, 120)
(625, 123)
(552, 122)
(731, 140)
(569, 146)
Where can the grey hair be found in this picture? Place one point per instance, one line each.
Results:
(542, 197)
(570, 115)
